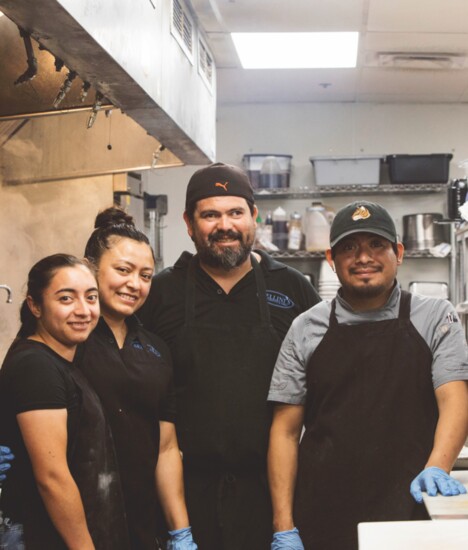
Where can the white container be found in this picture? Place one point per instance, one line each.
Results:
(253, 164)
(317, 228)
(347, 170)
(429, 288)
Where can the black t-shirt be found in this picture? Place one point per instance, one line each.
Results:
(289, 293)
(33, 377)
(134, 385)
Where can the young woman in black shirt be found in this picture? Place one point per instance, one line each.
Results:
(130, 369)
(41, 405)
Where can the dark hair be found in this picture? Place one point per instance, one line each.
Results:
(190, 210)
(112, 222)
(39, 278)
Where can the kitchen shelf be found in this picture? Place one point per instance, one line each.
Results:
(303, 254)
(330, 190)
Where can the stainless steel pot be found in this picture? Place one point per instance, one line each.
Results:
(420, 231)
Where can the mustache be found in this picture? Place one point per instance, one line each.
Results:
(220, 235)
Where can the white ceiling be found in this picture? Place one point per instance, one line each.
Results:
(386, 26)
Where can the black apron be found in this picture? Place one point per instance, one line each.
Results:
(370, 420)
(222, 376)
(94, 467)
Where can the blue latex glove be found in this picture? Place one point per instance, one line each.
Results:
(5, 456)
(181, 539)
(287, 540)
(433, 480)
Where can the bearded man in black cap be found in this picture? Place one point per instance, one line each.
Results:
(378, 378)
(224, 312)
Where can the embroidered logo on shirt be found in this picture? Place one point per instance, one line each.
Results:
(451, 318)
(153, 350)
(361, 213)
(223, 185)
(136, 344)
(277, 299)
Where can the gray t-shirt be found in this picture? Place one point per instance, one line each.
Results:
(434, 319)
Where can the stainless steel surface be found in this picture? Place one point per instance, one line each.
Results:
(421, 231)
(126, 51)
(61, 147)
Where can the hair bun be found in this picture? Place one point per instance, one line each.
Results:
(113, 216)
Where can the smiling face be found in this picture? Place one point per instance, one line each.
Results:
(124, 276)
(223, 230)
(69, 309)
(366, 265)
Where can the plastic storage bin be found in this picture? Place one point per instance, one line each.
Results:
(266, 179)
(419, 168)
(347, 170)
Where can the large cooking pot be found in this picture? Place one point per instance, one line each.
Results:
(421, 231)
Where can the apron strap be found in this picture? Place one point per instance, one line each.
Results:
(333, 322)
(260, 284)
(405, 305)
(261, 291)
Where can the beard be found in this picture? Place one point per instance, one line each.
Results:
(226, 258)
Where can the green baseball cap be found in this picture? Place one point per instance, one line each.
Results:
(362, 216)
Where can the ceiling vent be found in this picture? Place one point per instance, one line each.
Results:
(428, 61)
(205, 64)
(182, 27)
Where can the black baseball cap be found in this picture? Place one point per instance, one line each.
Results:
(218, 180)
(362, 216)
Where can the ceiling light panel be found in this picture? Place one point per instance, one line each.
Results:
(318, 50)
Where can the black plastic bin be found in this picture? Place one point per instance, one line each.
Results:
(419, 168)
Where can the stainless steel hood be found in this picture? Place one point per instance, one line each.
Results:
(126, 52)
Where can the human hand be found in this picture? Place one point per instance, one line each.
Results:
(287, 540)
(5, 456)
(433, 480)
(181, 539)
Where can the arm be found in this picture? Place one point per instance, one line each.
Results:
(45, 436)
(282, 462)
(451, 432)
(169, 479)
(452, 426)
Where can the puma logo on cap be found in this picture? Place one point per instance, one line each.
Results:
(223, 185)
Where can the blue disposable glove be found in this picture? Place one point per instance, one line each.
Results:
(432, 480)
(181, 539)
(5, 456)
(287, 540)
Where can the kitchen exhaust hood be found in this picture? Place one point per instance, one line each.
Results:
(126, 54)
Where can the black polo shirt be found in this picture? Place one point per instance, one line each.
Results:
(289, 293)
(134, 385)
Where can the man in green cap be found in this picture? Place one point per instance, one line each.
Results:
(224, 312)
(378, 378)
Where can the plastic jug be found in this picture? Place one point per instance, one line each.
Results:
(317, 228)
(270, 173)
(295, 232)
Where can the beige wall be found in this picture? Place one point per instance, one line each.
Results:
(40, 219)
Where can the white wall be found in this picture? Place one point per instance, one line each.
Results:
(305, 130)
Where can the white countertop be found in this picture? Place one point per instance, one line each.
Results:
(450, 534)
(448, 531)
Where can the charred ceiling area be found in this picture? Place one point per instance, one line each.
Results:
(35, 82)
(120, 54)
